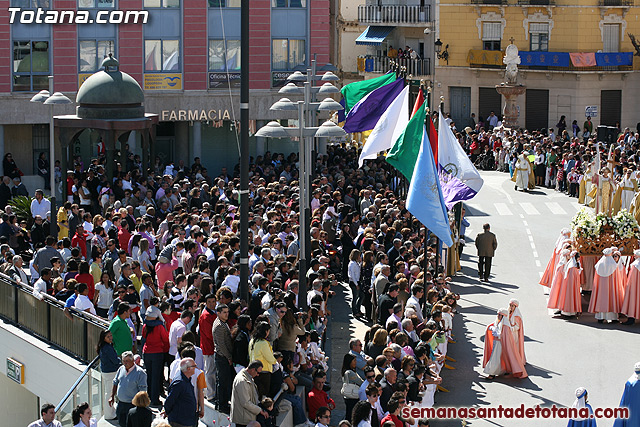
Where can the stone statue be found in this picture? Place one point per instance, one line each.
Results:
(511, 59)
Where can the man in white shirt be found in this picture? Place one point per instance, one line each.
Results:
(40, 286)
(417, 292)
(83, 303)
(178, 328)
(48, 413)
(40, 205)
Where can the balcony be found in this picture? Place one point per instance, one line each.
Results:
(394, 15)
(495, 2)
(537, 2)
(615, 2)
(381, 64)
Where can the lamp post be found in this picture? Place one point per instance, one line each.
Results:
(309, 92)
(45, 97)
(305, 134)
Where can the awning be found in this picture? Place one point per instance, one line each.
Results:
(373, 35)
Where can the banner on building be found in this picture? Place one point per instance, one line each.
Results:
(221, 80)
(544, 59)
(163, 81)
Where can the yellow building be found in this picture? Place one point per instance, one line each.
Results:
(576, 59)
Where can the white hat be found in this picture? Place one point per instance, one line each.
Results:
(503, 311)
(636, 253)
(607, 252)
(154, 312)
(514, 301)
(580, 402)
(637, 368)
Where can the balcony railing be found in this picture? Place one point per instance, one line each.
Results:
(45, 318)
(536, 2)
(554, 61)
(372, 14)
(382, 64)
(489, 1)
(615, 2)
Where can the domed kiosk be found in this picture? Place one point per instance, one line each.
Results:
(110, 102)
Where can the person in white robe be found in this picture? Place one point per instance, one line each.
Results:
(522, 172)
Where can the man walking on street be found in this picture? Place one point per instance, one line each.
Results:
(486, 243)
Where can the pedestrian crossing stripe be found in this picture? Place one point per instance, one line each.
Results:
(555, 208)
(502, 209)
(528, 208)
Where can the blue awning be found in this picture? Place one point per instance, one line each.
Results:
(373, 35)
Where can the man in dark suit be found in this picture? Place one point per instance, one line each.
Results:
(486, 243)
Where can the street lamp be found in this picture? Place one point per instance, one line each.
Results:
(45, 97)
(305, 134)
(444, 55)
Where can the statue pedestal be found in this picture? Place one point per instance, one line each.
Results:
(510, 111)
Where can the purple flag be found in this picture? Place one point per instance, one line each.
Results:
(366, 113)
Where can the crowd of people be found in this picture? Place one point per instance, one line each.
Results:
(158, 258)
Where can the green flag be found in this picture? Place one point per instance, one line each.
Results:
(404, 153)
(354, 92)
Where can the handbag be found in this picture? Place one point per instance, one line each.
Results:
(348, 390)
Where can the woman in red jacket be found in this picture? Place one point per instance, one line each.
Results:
(155, 347)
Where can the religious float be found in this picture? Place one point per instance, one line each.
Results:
(592, 233)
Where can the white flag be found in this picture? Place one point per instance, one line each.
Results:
(389, 128)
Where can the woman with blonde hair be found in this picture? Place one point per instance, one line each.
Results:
(140, 415)
(353, 272)
(144, 257)
(377, 344)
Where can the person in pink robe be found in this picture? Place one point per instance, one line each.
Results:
(547, 276)
(631, 302)
(499, 338)
(608, 292)
(566, 296)
(517, 327)
(558, 276)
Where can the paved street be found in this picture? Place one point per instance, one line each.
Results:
(561, 355)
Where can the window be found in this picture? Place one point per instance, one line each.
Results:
(31, 4)
(224, 59)
(539, 36)
(287, 54)
(224, 3)
(288, 3)
(161, 3)
(611, 37)
(92, 52)
(491, 35)
(161, 55)
(91, 4)
(30, 65)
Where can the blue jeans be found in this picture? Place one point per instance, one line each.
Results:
(154, 363)
(298, 413)
(225, 374)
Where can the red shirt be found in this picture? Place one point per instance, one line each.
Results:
(88, 279)
(317, 399)
(392, 418)
(170, 318)
(206, 331)
(80, 241)
(157, 341)
(123, 238)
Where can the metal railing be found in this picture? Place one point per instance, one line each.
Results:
(87, 388)
(615, 2)
(382, 64)
(489, 2)
(44, 317)
(396, 14)
(537, 2)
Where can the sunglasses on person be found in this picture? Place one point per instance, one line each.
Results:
(370, 377)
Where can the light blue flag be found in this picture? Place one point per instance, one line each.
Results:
(425, 200)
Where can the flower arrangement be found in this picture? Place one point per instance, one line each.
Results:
(595, 232)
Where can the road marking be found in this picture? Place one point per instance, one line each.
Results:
(533, 245)
(541, 274)
(528, 231)
(522, 216)
(530, 238)
(526, 224)
(555, 208)
(538, 263)
(535, 254)
(502, 209)
(529, 209)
